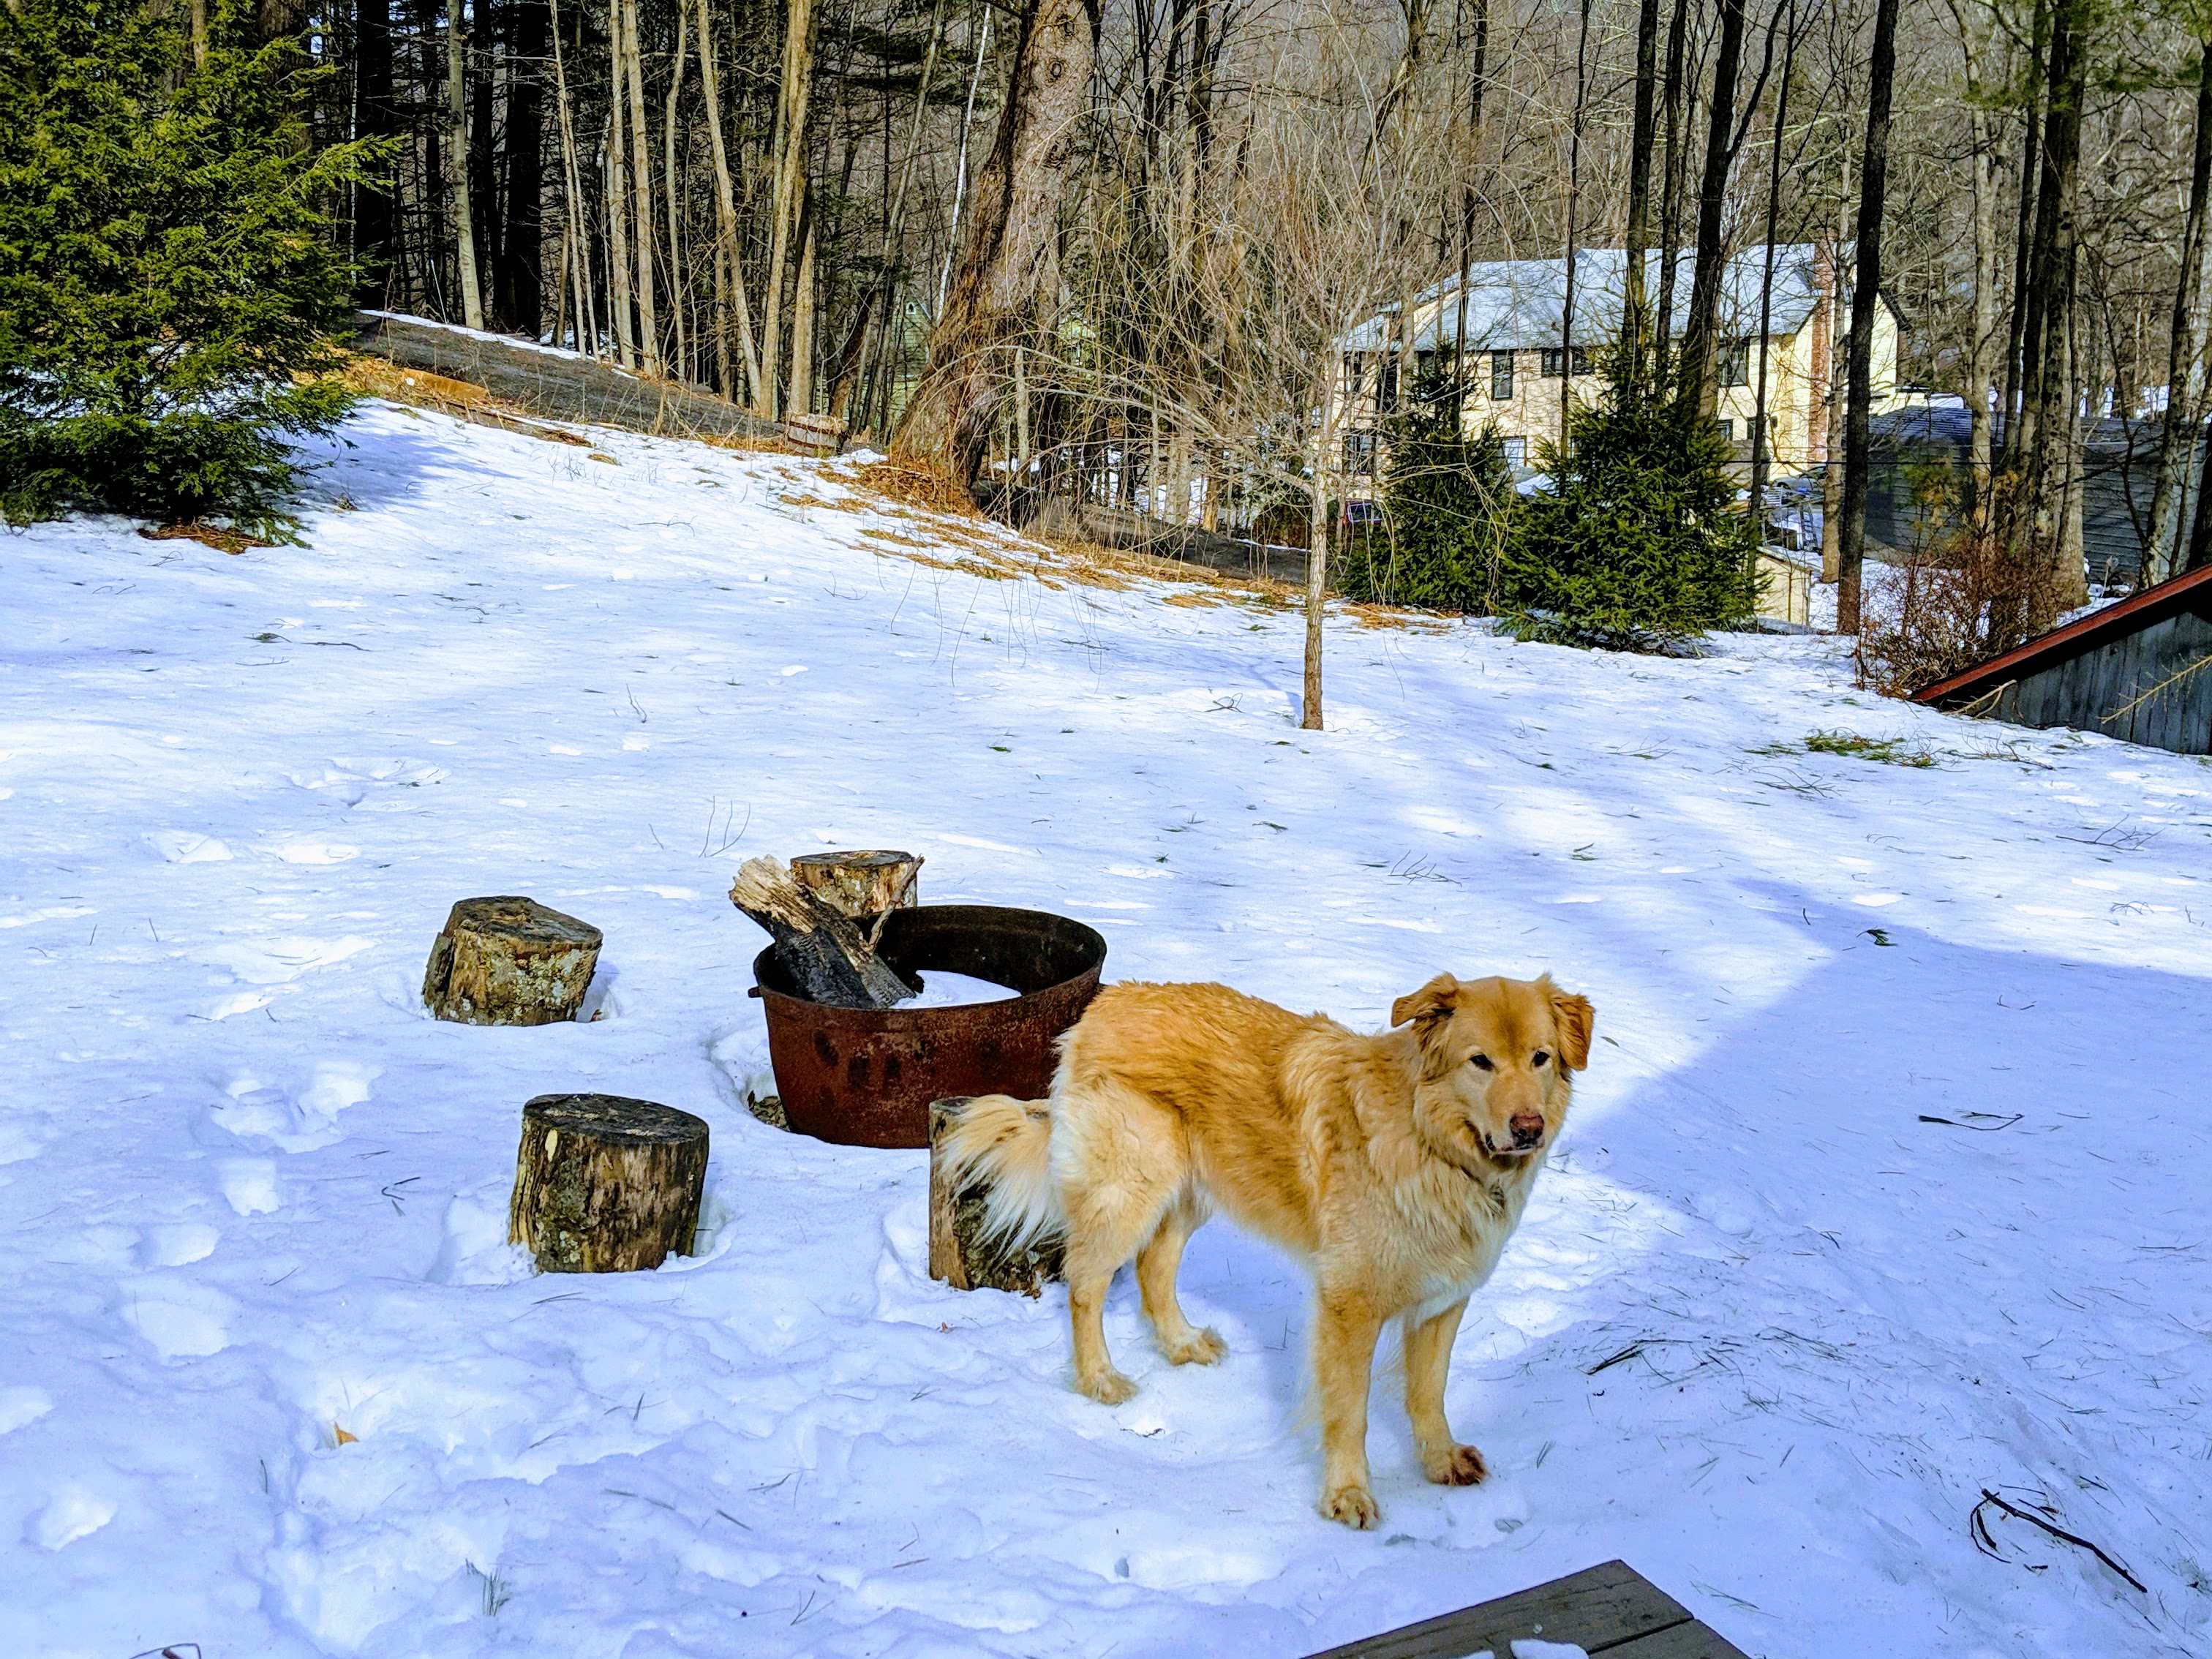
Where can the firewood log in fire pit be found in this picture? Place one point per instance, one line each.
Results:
(823, 950)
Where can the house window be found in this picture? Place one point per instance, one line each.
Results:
(1360, 454)
(1581, 360)
(1736, 362)
(1554, 363)
(1386, 385)
(1501, 375)
(1517, 452)
(1726, 430)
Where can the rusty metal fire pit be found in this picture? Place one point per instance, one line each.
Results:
(865, 1077)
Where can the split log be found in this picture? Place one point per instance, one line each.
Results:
(861, 884)
(960, 1254)
(820, 947)
(602, 1184)
(510, 960)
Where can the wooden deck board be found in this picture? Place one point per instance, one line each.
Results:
(1611, 1610)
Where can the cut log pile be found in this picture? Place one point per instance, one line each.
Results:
(824, 939)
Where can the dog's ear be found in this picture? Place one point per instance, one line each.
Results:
(1427, 1007)
(1573, 1016)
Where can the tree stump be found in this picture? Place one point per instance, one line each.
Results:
(860, 883)
(959, 1253)
(605, 1185)
(510, 960)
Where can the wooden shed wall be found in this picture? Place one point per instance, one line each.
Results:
(2090, 691)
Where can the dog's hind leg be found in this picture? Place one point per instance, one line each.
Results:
(1120, 1163)
(1428, 1361)
(1157, 1263)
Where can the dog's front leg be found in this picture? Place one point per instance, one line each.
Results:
(1428, 1362)
(1344, 1365)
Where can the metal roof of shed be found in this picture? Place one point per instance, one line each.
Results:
(2139, 610)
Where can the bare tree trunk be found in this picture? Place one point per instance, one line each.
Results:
(1476, 70)
(1762, 447)
(1636, 306)
(376, 116)
(960, 167)
(1574, 204)
(1980, 359)
(2025, 302)
(1838, 395)
(457, 167)
(731, 272)
(1324, 446)
(801, 400)
(617, 173)
(1009, 264)
(576, 242)
(1670, 207)
(1699, 336)
(521, 278)
(2046, 451)
(2178, 434)
(802, 23)
(641, 194)
(673, 183)
(1866, 296)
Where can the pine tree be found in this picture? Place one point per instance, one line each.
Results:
(1445, 502)
(168, 285)
(1637, 543)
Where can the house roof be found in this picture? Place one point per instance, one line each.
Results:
(2187, 591)
(1518, 304)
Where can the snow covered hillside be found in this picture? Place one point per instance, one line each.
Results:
(1888, 1183)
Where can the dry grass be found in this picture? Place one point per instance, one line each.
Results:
(378, 378)
(749, 446)
(929, 491)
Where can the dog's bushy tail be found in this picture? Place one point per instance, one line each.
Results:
(1004, 1145)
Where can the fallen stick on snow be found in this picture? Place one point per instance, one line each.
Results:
(1989, 1544)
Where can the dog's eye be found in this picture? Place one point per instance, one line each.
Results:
(1542, 1058)
(1480, 1062)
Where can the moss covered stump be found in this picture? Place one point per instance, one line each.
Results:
(603, 1184)
(510, 960)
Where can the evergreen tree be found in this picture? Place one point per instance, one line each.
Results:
(167, 283)
(1445, 504)
(1637, 545)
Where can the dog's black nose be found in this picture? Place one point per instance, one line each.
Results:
(1528, 1128)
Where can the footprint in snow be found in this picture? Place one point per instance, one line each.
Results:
(178, 1319)
(73, 1512)
(300, 1121)
(185, 847)
(177, 1244)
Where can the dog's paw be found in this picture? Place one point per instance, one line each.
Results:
(1353, 1505)
(1107, 1388)
(1456, 1465)
(1198, 1348)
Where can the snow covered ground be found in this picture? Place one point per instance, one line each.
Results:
(1888, 1183)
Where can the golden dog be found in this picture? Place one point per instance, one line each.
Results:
(1395, 1166)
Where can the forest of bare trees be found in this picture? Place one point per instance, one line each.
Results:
(1108, 249)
